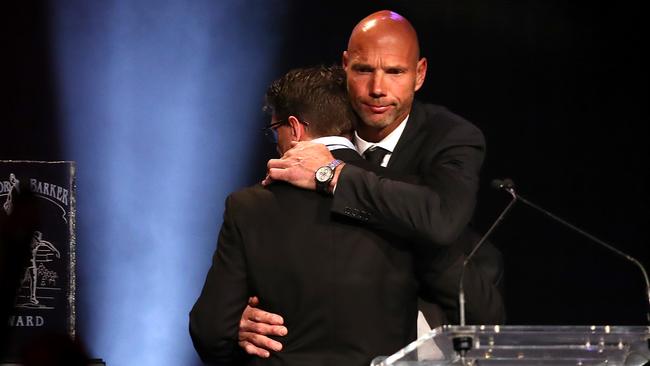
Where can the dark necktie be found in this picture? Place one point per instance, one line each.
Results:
(375, 154)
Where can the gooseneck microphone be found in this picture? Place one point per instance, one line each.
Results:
(509, 186)
(462, 344)
(461, 292)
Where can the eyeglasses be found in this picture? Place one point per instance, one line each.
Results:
(271, 131)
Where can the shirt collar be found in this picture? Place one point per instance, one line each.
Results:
(335, 142)
(389, 142)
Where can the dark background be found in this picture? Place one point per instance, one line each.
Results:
(559, 88)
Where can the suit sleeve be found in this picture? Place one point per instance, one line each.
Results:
(214, 319)
(432, 207)
(435, 207)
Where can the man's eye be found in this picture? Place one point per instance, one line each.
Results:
(395, 71)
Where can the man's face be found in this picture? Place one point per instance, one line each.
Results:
(383, 73)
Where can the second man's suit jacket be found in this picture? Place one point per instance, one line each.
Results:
(347, 292)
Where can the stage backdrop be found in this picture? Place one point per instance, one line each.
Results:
(158, 102)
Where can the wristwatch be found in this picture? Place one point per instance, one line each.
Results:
(324, 176)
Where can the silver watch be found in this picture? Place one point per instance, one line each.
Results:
(324, 176)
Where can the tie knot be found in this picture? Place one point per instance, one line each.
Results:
(375, 154)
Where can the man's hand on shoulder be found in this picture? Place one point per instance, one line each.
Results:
(298, 165)
(254, 327)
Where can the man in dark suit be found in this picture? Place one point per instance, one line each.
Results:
(438, 152)
(347, 291)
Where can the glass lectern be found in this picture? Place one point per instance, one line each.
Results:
(526, 345)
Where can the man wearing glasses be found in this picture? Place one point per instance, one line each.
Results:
(347, 291)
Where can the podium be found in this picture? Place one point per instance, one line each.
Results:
(527, 345)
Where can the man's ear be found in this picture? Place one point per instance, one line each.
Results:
(344, 59)
(420, 73)
(297, 129)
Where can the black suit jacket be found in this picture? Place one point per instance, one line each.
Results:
(347, 293)
(427, 196)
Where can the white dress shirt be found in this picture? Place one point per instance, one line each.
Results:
(335, 142)
(389, 142)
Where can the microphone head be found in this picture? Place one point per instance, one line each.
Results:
(506, 183)
(496, 183)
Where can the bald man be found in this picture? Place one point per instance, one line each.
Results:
(438, 153)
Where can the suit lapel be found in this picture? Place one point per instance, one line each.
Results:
(402, 155)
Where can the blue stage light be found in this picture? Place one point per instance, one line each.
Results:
(161, 102)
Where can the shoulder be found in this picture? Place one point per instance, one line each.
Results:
(436, 115)
(438, 120)
(255, 199)
(248, 193)
(248, 199)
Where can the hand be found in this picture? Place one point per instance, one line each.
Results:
(255, 325)
(298, 165)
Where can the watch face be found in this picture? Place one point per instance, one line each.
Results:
(323, 174)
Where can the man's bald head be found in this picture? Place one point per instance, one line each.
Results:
(384, 24)
(384, 70)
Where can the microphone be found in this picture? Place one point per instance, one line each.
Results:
(503, 183)
(462, 344)
(509, 186)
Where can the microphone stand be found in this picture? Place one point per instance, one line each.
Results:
(461, 292)
(508, 186)
(462, 344)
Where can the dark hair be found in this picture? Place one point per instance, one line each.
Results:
(317, 95)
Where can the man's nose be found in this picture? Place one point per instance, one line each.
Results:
(377, 87)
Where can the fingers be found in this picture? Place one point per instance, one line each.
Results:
(253, 301)
(255, 315)
(279, 174)
(298, 164)
(259, 341)
(259, 328)
(259, 345)
(276, 170)
(280, 163)
(252, 350)
(255, 341)
(303, 153)
(254, 327)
